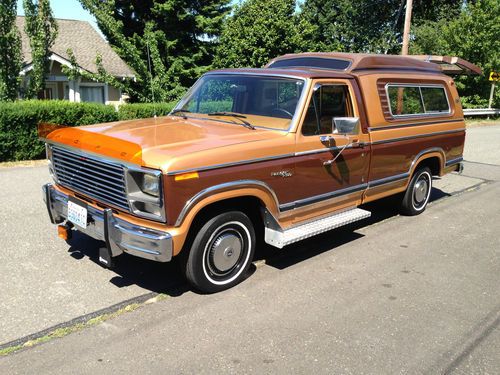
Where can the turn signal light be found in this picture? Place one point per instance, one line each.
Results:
(62, 232)
(186, 176)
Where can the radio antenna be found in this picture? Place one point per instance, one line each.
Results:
(151, 79)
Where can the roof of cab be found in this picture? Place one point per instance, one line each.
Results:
(287, 72)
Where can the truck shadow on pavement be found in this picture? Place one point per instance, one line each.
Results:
(167, 278)
(130, 270)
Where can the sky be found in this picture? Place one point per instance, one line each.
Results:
(69, 9)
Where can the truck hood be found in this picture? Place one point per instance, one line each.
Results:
(161, 142)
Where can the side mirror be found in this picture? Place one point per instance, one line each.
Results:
(345, 125)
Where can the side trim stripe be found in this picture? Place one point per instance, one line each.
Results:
(387, 180)
(454, 161)
(309, 152)
(417, 136)
(321, 197)
(224, 165)
(383, 127)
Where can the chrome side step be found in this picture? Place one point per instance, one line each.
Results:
(280, 238)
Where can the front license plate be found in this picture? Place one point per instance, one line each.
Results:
(77, 213)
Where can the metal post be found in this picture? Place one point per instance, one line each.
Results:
(406, 31)
(490, 103)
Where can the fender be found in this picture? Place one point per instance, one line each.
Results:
(216, 193)
(426, 154)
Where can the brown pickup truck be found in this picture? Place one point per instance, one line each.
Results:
(277, 154)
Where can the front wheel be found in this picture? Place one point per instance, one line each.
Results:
(221, 252)
(418, 192)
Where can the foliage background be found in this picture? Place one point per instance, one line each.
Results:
(41, 29)
(10, 51)
(19, 121)
(178, 40)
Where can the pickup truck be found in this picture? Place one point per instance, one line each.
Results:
(276, 155)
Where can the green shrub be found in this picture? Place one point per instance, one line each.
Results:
(144, 110)
(19, 121)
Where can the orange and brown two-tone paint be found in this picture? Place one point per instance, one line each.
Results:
(293, 167)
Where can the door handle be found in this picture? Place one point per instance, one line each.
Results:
(357, 144)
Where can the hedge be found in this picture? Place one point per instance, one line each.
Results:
(144, 110)
(19, 121)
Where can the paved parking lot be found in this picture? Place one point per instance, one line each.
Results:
(412, 294)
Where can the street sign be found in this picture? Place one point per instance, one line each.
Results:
(494, 76)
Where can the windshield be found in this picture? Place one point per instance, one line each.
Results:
(268, 102)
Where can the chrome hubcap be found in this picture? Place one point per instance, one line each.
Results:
(225, 252)
(421, 188)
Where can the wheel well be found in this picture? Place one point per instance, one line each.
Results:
(433, 163)
(249, 205)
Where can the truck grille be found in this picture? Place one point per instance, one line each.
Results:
(98, 179)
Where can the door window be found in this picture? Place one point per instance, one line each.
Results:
(327, 102)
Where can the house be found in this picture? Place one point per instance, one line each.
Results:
(86, 44)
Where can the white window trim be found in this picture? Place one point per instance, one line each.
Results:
(419, 86)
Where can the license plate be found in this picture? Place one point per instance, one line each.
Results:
(77, 213)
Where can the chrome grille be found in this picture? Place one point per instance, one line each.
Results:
(98, 179)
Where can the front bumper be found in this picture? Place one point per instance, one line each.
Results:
(120, 235)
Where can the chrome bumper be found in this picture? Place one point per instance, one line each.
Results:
(120, 235)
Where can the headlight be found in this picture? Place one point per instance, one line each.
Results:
(144, 192)
(151, 185)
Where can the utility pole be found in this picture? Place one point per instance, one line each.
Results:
(404, 51)
(406, 32)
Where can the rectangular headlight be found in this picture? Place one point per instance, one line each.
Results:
(151, 185)
(144, 193)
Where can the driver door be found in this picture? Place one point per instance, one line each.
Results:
(331, 161)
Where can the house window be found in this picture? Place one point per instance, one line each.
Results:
(94, 94)
(407, 100)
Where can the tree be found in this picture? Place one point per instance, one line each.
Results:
(10, 51)
(257, 31)
(41, 29)
(73, 72)
(366, 25)
(175, 38)
(473, 35)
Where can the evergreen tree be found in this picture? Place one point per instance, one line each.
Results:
(257, 31)
(177, 38)
(10, 51)
(41, 29)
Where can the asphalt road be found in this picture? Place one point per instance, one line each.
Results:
(393, 294)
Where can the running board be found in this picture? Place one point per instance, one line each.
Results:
(280, 238)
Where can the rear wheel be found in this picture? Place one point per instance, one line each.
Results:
(221, 252)
(418, 192)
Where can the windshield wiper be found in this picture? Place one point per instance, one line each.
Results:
(180, 110)
(236, 115)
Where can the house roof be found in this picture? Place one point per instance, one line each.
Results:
(85, 42)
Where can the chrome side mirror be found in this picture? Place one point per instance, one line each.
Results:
(345, 125)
